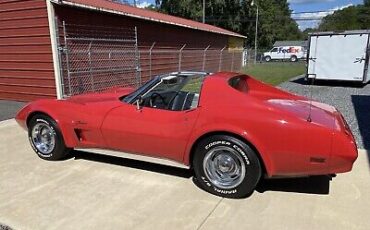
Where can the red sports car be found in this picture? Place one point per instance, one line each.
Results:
(229, 128)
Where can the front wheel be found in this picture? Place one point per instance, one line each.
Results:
(46, 139)
(226, 167)
(267, 58)
(293, 58)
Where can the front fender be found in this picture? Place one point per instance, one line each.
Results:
(52, 109)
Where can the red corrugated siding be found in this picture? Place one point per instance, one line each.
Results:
(148, 31)
(165, 35)
(149, 15)
(26, 64)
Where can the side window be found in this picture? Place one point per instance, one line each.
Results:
(188, 96)
(274, 50)
(177, 93)
(239, 83)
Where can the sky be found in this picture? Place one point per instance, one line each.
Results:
(304, 20)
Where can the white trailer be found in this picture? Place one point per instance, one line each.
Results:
(340, 56)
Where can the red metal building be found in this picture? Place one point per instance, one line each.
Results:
(29, 61)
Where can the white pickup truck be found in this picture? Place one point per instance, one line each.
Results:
(292, 53)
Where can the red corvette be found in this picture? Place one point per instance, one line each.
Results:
(229, 128)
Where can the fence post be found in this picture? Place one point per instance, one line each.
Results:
(232, 60)
(90, 67)
(220, 63)
(60, 62)
(67, 58)
(138, 69)
(180, 56)
(204, 57)
(150, 59)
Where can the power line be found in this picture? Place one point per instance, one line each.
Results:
(312, 12)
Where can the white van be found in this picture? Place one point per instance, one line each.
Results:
(292, 53)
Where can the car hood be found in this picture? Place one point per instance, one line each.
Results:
(107, 95)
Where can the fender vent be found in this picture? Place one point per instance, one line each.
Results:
(79, 134)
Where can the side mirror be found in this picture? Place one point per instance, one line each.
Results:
(138, 103)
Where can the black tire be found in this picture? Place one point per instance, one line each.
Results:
(293, 58)
(267, 59)
(244, 186)
(59, 151)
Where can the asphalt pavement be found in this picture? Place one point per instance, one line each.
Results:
(96, 191)
(8, 109)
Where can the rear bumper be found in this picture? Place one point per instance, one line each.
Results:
(344, 148)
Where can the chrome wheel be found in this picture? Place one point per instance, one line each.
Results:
(43, 138)
(224, 167)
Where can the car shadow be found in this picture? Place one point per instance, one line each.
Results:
(311, 185)
(131, 163)
(319, 185)
(303, 81)
(361, 104)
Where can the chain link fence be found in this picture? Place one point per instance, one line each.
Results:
(159, 60)
(94, 58)
(252, 57)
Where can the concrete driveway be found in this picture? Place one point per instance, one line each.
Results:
(94, 191)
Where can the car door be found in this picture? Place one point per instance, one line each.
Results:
(273, 52)
(149, 131)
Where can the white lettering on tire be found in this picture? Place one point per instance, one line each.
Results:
(217, 143)
(237, 148)
(225, 191)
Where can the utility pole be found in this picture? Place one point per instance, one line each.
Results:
(256, 35)
(204, 11)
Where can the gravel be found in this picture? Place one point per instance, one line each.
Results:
(352, 100)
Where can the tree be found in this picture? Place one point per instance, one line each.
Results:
(350, 18)
(275, 22)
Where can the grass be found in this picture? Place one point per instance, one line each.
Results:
(275, 73)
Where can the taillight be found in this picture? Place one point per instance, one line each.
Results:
(347, 130)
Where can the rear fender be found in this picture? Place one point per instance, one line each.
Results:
(248, 137)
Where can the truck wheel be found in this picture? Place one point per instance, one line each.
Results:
(293, 58)
(46, 139)
(226, 167)
(267, 58)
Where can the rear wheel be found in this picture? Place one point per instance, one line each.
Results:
(267, 58)
(226, 167)
(46, 139)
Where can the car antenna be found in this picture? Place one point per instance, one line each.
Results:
(309, 119)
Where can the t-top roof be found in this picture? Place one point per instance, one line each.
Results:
(130, 11)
